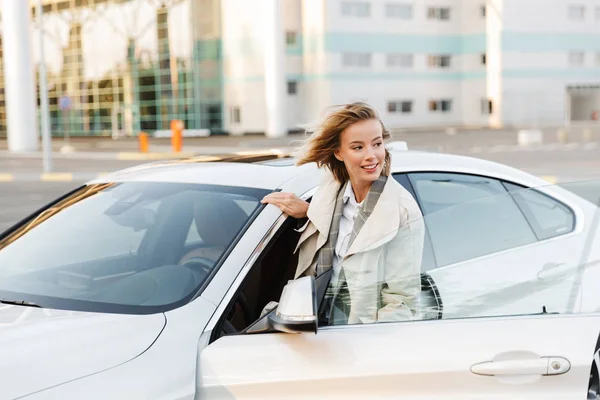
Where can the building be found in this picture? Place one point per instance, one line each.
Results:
(118, 67)
(423, 63)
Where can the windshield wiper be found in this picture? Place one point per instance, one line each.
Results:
(20, 303)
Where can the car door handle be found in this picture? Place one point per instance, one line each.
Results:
(541, 366)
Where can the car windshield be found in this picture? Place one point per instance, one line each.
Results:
(524, 252)
(137, 247)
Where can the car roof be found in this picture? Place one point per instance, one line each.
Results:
(245, 170)
(412, 161)
(271, 169)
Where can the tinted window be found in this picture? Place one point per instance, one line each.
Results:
(548, 217)
(111, 246)
(543, 279)
(493, 223)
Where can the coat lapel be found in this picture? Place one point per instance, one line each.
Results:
(320, 214)
(379, 218)
(321, 209)
(327, 252)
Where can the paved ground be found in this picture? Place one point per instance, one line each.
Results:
(18, 200)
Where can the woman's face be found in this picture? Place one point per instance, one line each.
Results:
(362, 151)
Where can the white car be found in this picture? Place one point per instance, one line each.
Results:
(149, 283)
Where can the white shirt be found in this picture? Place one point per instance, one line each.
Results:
(349, 213)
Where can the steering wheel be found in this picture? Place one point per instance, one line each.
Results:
(200, 264)
(205, 266)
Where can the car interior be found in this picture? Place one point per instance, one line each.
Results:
(168, 266)
(266, 280)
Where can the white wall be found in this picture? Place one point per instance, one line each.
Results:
(296, 114)
(243, 66)
(316, 62)
(379, 83)
(538, 37)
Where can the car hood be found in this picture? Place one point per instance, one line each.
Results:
(40, 348)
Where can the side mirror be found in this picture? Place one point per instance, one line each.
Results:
(297, 309)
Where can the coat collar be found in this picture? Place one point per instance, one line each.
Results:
(384, 219)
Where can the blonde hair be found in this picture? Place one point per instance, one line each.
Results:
(325, 138)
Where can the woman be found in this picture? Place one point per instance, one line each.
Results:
(362, 224)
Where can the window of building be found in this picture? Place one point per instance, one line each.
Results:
(400, 107)
(438, 61)
(443, 106)
(356, 59)
(291, 38)
(576, 12)
(236, 115)
(356, 9)
(400, 60)
(483, 10)
(483, 59)
(399, 10)
(441, 13)
(487, 107)
(292, 87)
(598, 59)
(446, 105)
(576, 58)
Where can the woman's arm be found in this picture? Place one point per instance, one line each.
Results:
(288, 203)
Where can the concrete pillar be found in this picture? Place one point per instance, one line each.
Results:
(19, 80)
(275, 76)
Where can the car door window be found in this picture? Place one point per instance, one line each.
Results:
(492, 224)
(391, 286)
(548, 217)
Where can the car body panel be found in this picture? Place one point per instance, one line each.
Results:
(412, 361)
(232, 174)
(41, 348)
(165, 371)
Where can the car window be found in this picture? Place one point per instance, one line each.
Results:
(439, 190)
(492, 224)
(387, 282)
(121, 246)
(193, 236)
(548, 217)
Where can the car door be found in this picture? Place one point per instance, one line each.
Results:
(480, 226)
(514, 354)
(541, 357)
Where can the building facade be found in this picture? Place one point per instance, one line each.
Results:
(119, 67)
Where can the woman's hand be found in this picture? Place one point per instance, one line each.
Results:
(288, 203)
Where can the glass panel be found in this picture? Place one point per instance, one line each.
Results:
(123, 244)
(386, 282)
(121, 67)
(547, 216)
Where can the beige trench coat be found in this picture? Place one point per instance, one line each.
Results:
(382, 266)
